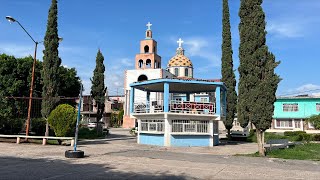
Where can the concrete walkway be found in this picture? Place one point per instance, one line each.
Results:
(119, 157)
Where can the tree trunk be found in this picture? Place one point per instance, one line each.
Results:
(260, 141)
(229, 135)
(47, 128)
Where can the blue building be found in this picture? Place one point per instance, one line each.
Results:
(290, 113)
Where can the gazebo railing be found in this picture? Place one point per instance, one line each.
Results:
(186, 107)
(154, 106)
(192, 107)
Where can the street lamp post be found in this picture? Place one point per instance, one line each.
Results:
(11, 19)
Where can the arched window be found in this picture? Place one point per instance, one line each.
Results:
(140, 63)
(146, 49)
(148, 63)
(176, 71)
(155, 65)
(186, 72)
(142, 78)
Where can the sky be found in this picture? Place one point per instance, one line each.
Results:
(116, 27)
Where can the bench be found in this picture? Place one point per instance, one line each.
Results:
(281, 143)
(44, 138)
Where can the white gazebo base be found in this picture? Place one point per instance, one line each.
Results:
(177, 130)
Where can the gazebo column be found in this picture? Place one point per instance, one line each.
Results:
(166, 97)
(167, 126)
(148, 107)
(132, 100)
(218, 101)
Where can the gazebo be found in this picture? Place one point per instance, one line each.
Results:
(185, 122)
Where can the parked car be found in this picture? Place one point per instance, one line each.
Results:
(93, 125)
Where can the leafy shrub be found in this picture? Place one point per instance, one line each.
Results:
(133, 131)
(38, 126)
(12, 126)
(316, 137)
(307, 137)
(86, 133)
(293, 133)
(63, 120)
(315, 120)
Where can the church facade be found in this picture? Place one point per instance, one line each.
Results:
(169, 106)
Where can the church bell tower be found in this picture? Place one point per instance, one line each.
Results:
(148, 57)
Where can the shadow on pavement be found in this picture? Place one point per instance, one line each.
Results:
(23, 168)
(232, 142)
(109, 138)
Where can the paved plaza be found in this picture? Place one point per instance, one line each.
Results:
(119, 157)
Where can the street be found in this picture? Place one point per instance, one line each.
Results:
(119, 157)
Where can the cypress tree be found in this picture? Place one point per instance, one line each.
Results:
(51, 63)
(98, 88)
(227, 72)
(258, 81)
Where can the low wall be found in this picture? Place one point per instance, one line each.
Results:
(190, 140)
(152, 139)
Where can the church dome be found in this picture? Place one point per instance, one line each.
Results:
(180, 60)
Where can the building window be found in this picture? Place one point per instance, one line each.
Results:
(176, 71)
(190, 126)
(284, 123)
(146, 49)
(140, 63)
(318, 107)
(148, 63)
(152, 125)
(290, 107)
(203, 99)
(297, 123)
(186, 72)
(142, 78)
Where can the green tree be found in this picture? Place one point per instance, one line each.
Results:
(120, 117)
(258, 82)
(51, 63)
(227, 72)
(98, 88)
(63, 120)
(315, 120)
(70, 83)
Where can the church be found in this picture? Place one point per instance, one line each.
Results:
(169, 106)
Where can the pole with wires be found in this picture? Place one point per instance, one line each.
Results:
(76, 153)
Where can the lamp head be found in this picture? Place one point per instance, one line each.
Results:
(10, 19)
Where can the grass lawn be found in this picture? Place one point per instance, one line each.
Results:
(308, 151)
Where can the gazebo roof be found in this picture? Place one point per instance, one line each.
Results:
(179, 85)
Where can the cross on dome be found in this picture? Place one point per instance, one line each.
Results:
(180, 42)
(149, 25)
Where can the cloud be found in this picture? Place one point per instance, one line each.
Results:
(316, 94)
(308, 87)
(115, 74)
(202, 47)
(304, 89)
(19, 50)
(286, 29)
